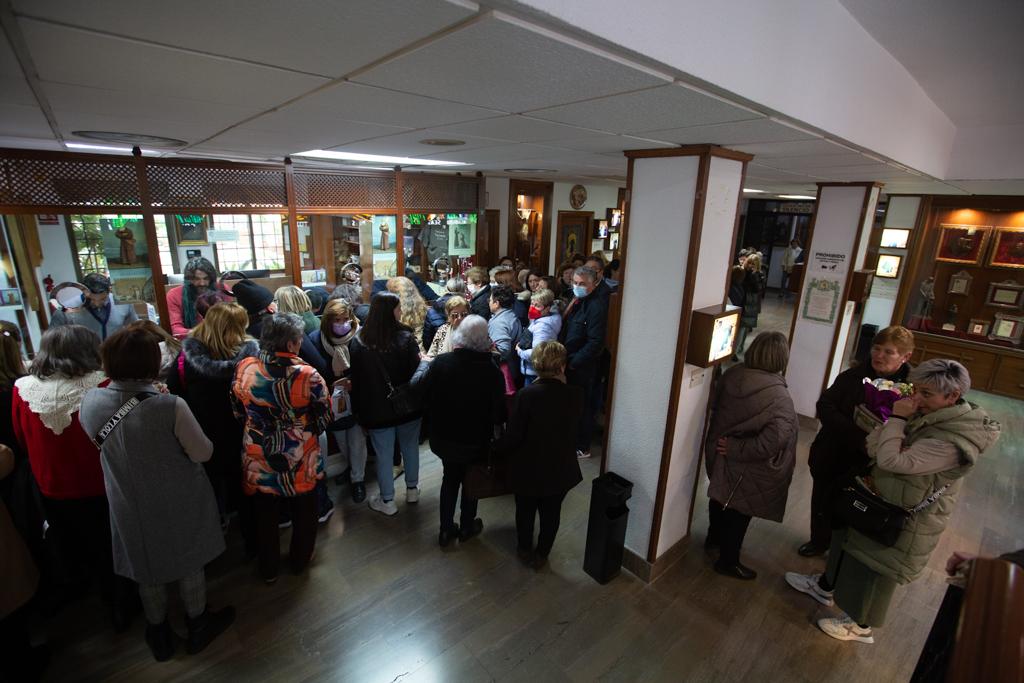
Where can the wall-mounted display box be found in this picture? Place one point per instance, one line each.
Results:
(712, 334)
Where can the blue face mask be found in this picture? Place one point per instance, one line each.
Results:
(579, 291)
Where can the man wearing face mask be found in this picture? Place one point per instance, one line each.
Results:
(478, 286)
(98, 312)
(583, 332)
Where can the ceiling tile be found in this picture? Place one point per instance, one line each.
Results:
(144, 70)
(736, 133)
(521, 129)
(504, 64)
(500, 154)
(71, 120)
(669, 106)
(311, 135)
(316, 36)
(816, 162)
(20, 120)
(408, 144)
(12, 80)
(1014, 187)
(610, 144)
(796, 148)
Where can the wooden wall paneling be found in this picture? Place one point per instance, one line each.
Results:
(321, 236)
(914, 250)
(399, 222)
(487, 238)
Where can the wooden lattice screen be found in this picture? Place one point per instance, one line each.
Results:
(317, 190)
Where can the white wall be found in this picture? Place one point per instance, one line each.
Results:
(58, 257)
(659, 234)
(826, 70)
(709, 288)
(987, 152)
(497, 198)
(900, 213)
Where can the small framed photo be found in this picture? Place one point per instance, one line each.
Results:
(962, 243)
(192, 229)
(613, 240)
(1009, 294)
(895, 238)
(978, 327)
(1008, 248)
(47, 219)
(10, 297)
(614, 218)
(888, 266)
(960, 283)
(601, 231)
(1007, 328)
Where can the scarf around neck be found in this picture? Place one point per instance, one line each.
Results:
(56, 399)
(337, 349)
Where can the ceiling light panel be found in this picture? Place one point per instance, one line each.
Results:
(669, 106)
(327, 38)
(495, 63)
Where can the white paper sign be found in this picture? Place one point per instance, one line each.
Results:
(222, 235)
(827, 263)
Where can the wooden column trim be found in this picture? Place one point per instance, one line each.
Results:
(700, 198)
(293, 223)
(153, 246)
(400, 220)
(924, 218)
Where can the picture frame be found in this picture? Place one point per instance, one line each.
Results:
(889, 266)
(601, 229)
(1008, 328)
(895, 238)
(1007, 248)
(960, 283)
(613, 240)
(192, 229)
(962, 243)
(614, 218)
(1008, 294)
(10, 297)
(979, 327)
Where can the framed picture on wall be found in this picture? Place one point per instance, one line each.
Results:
(888, 265)
(978, 326)
(894, 238)
(960, 283)
(1008, 248)
(1007, 328)
(1008, 294)
(962, 243)
(192, 229)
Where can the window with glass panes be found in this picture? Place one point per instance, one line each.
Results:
(236, 255)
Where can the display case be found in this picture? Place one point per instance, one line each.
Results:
(712, 335)
(438, 245)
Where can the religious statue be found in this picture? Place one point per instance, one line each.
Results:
(127, 238)
(928, 296)
(385, 229)
(951, 314)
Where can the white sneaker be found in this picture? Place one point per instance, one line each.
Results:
(412, 495)
(386, 508)
(582, 454)
(808, 583)
(845, 628)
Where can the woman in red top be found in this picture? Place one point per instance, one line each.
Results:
(64, 461)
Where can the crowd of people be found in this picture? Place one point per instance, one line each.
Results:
(138, 449)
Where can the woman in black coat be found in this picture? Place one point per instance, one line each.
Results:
(470, 375)
(541, 442)
(384, 356)
(202, 376)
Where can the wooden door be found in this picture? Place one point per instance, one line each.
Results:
(529, 239)
(487, 239)
(574, 234)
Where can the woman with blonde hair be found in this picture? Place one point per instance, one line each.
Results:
(202, 376)
(753, 287)
(292, 299)
(455, 310)
(412, 308)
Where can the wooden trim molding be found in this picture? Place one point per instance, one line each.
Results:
(649, 571)
(149, 223)
(807, 250)
(689, 150)
(295, 255)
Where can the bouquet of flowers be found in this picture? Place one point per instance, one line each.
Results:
(879, 396)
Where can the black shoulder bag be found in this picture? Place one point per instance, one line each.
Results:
(862, 509)
(122, 412)
(403, 399)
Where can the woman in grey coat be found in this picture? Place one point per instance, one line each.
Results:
(750, 449)
(163, 516)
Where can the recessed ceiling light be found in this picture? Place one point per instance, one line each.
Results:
(129, 138)
(441, 142)
(797, 196)
(747, 189)
(105, 148)
(530, 170)
(376, 158)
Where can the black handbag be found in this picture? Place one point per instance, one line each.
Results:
(862, 509)
(487, 478)
(404, 400)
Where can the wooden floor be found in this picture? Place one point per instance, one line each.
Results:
(383, 603)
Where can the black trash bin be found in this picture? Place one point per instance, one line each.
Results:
(863, 352)
(606, 530)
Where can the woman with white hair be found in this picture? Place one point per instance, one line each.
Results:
(921, 455)
(469, 375)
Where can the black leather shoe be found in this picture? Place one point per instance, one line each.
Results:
(358, 492)
(810, 550)
(736, 571)
(207, 626)
(472, 530)
(160, 640)
(447, 536)
(525, 555)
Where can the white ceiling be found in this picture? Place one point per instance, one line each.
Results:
(262, 79)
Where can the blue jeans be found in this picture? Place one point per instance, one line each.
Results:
(383, 440)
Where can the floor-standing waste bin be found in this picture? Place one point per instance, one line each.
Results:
(606, 530)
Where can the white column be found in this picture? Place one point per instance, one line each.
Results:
(681, 218)
(839, 240)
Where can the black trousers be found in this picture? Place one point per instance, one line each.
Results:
(527, 509)
(451, 482)
(727, 529)
(585, 428)
(302, 509)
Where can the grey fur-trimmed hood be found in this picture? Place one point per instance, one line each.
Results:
(198, 356)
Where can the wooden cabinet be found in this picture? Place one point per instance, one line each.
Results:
(995, 369)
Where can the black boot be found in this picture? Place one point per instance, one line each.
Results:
(203, 629)
(160, 639)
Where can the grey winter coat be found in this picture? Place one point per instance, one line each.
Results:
(163, 517)
(119, 316)
(753, 410)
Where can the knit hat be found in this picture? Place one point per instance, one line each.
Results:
(251, 296)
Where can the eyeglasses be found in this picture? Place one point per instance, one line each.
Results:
(458, 316)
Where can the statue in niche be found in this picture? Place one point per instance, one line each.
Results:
(127, 238)
(951, 314)
(927, 296)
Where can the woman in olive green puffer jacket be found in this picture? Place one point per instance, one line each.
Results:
(932, 441)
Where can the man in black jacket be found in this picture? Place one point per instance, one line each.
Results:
(583, 333)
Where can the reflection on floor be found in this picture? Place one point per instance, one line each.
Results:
(383, 603)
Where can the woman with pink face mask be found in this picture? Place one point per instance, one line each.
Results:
(338, 326)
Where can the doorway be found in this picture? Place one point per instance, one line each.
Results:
(529, 222)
